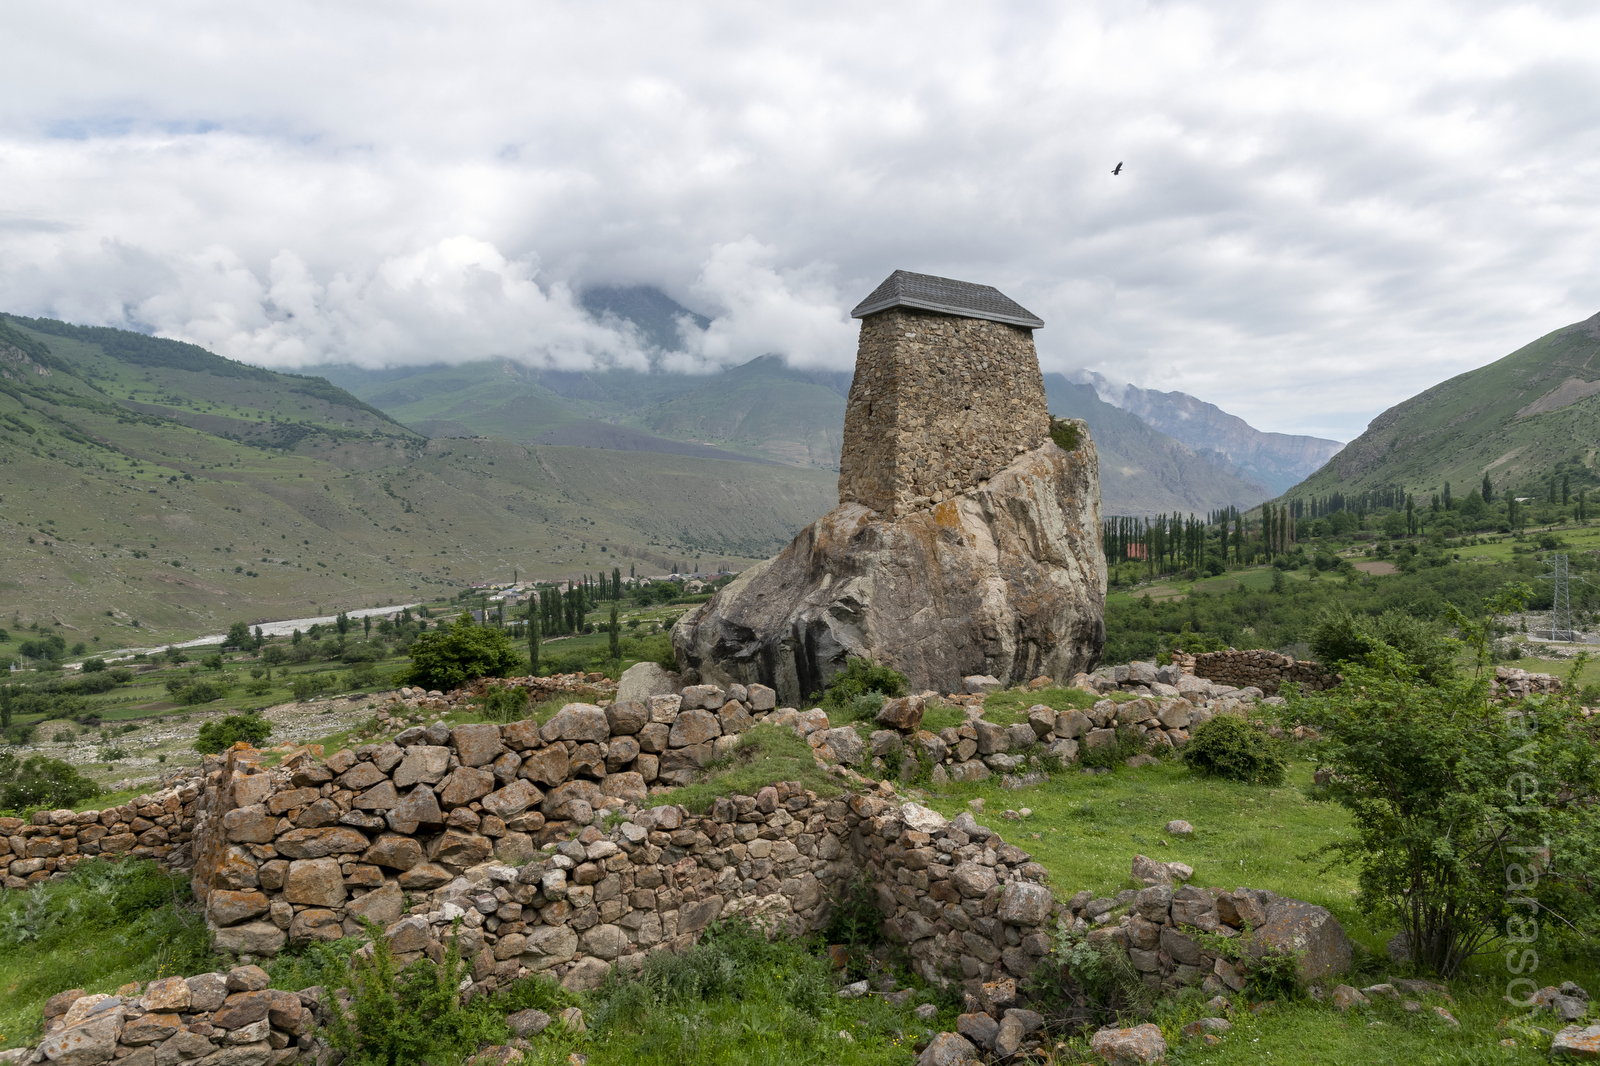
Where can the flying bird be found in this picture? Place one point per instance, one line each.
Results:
(1118, 170)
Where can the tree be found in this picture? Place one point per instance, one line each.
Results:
(616, 633)
(238, 636)
(1488, 488)
(1470, 818)
(1447, 501)
(448, 658)
(616, 582)
(342, 623)
(41, 782)
(533, 635)
(215, 737)
(366, 625)
(260, 638)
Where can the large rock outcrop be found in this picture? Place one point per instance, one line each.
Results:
(1006, 579)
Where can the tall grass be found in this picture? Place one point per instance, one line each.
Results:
(107, 924)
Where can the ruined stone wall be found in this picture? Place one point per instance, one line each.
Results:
(938, 404)
(1265, 670)
(210, 1019)
(155, 827)
(541, 886)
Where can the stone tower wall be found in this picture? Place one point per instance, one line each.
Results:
(939, 403)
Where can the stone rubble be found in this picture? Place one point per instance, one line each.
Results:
(211, 1019)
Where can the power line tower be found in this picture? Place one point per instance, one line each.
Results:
(1560, 602)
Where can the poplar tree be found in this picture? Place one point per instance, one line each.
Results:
(1488, 488)
(533, 635)
(616, 633)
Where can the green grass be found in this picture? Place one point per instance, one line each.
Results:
(766, 753)
(108, 924)
(1086, 828)
(1011, 706)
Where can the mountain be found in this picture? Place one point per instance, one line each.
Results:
(1520, 419)
(142, 478)
(1275, 460)
(1142, 470)
(760, 411)
(656, 314)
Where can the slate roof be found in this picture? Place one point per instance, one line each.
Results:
(947, 296)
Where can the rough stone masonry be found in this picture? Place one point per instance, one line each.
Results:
(965, 541)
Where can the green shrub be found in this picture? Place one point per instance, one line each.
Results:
(504, 703)
(307, 685)
(465, 652)
(1129, 743)
(1065, 434)
(220, 736)
(1233, 749)
(363, 674)
(1342, 637)
(203, 691)
(41, 782)
(409, 1016)
(860, 677)
(93, 666)
(856, 922)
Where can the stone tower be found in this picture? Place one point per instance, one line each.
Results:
(947, 392)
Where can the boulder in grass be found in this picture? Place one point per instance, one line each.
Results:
(1139, 1046)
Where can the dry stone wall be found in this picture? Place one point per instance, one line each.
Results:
(296, 854)
(51, 843)
(1265, 670)
(210, 1019)
(938, 404)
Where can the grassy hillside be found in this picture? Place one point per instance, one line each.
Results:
(762, 409)
(1142, 470)
(1521, 418)
(183, 490)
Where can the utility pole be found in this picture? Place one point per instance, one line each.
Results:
(1560, 602)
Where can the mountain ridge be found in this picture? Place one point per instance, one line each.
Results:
(1519, 419)
(1277, 461)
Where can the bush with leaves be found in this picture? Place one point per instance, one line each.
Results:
(450, 658)
(220, 736)
(1455, 800)
(504, 703)
(1232, 748)
(1128, 743)
(1078, 987)
(860, 677)
(1340, 637)
(39, 781)
(401, 1017)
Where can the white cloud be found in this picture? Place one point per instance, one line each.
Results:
(1324, 209)
(797, 313)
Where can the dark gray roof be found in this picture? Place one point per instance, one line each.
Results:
(947, 296)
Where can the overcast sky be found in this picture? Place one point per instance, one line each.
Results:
(1324, 208)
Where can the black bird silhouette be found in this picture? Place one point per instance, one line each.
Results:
(1118, 170)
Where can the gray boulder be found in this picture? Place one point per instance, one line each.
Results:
(643, 680)
(1011, 584)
